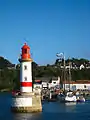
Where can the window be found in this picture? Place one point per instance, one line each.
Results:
(25, 51)
(25, 78)
(84, 86)
(54, 82)
(74, 87)
(67, 86)
(25, 67)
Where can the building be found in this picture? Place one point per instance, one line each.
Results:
(75, 85)
(55, 82)
(44, 82)
(47, 82)
(11, 66)
(37, 84)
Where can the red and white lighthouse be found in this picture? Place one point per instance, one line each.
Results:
(27, 101)
(25, 70)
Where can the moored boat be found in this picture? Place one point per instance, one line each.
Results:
(80, 98)
(61, 97)
(16, 92)
(70, 97)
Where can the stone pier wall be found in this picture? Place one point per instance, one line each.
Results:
(36, 104)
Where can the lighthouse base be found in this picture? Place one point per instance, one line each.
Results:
(26, 103)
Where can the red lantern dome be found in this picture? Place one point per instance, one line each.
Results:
(25, 46)
(25, 55)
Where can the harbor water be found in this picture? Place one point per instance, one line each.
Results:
(51, 111)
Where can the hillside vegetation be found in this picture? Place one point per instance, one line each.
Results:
(9, 73)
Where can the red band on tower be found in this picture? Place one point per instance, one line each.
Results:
(26, 84)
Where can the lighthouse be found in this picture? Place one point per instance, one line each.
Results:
(25, 70)
(27, 100)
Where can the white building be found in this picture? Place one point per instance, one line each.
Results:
(55, 82)
(47, 82)
(82, 66)
(79, 84)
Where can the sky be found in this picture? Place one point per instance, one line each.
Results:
(48, 27)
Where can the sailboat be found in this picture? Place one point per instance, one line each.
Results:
(69, 96)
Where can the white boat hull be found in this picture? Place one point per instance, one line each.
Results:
(70, 99)
(81, 99)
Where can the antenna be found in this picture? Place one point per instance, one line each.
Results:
(26, 41)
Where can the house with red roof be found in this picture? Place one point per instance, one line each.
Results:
(78, 84)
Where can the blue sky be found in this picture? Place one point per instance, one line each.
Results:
(49, 26)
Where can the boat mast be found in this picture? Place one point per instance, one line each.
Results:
(69, 73)
(64, 78)
(61, 56)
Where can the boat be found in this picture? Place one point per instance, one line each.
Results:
(80, 98)
(61, 97)
(70, 97)
(16, 92)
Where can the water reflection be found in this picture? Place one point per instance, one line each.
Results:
(70, 103)
(70, 106)
(27, 116)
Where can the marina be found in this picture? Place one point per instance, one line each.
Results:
(67, 97)
(50, 110)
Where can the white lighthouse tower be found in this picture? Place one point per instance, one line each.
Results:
(26, 101)
(26, 70)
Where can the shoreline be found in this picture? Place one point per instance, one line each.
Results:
(6, 90)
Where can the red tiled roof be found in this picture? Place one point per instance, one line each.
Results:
(37, 80)
(77, 82)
